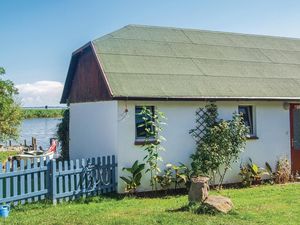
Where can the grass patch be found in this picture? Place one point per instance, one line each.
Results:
(5, 154)
(278, 204)
(42, 113)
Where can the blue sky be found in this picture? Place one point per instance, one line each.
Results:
(37, 37)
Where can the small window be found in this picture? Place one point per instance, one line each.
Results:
(140, 132)
(247, 113)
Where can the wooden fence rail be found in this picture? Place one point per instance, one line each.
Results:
(28, 181)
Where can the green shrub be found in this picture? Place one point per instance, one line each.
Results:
(283, 171)
(134, 180)
(166, 179)
(63, 134)
(219, 143)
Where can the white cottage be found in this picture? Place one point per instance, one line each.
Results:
(177, 71)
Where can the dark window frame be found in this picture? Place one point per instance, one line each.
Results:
(141, 138)
(248, 112)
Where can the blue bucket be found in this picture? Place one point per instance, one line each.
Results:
(4, 210)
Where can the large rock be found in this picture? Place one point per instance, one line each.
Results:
(199, 189)
(219, 203)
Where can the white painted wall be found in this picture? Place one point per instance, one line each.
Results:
(93, 129)
(272, 125)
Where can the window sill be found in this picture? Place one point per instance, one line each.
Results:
(142, 141)
(253, 137)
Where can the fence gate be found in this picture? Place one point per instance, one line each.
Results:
(87, 177)
(35, 180)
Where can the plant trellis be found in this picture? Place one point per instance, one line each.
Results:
(199, 131)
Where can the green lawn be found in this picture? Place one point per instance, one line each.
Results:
(278, 204)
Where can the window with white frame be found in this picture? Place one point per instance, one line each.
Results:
(247, 112)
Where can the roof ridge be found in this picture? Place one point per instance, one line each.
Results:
(194, 43)
(210, 31)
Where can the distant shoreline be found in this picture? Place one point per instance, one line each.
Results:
(42, 113)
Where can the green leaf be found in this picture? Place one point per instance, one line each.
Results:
(269, 168)
(127, 181)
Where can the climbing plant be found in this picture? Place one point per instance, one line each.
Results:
(153, 125)
(219, 143)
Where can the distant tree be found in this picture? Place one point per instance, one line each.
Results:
(10, 110)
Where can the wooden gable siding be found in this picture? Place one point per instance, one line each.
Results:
(88, 83)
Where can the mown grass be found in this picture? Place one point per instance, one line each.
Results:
(5, 154)
(278, 204)
(42, 113)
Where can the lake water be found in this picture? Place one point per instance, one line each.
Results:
(41, 128)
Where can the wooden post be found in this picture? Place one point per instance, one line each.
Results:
(60, 180)
(53, 181)
(7, 180)
(35, 178)
(15, 181)
(66, 184)
(72, 182)
(22, 180)
(33, 142)
(48, 175)
(113, 174)
(28, 177)
(77, 175)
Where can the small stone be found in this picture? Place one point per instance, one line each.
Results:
(220, 203)
(199, 189)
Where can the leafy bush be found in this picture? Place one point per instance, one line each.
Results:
(133, 181)
(10, 110)
(183, 175)
(219, 143)
(251, 173)
(270, 172)
(282, 174)
(177, 174)
(165, 180)
(63, 134)
(283, 171)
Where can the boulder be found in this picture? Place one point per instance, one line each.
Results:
(219, 203)
(199, 189)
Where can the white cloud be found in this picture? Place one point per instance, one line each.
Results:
(40, 93)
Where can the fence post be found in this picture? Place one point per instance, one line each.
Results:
(53, 181)
(113, 179)
(48, 178)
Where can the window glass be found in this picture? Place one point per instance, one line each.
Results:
(139, 121)
(247, 113)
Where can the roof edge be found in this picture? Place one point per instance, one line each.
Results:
(212, 31)
(72, 67)
(101, 68)
(132, 98)
(69, 78)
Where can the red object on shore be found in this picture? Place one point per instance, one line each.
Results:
(53, 146)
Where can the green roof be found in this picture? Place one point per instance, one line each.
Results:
(161, 62)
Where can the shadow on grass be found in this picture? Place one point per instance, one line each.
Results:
(47, 203)
(201, 209)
